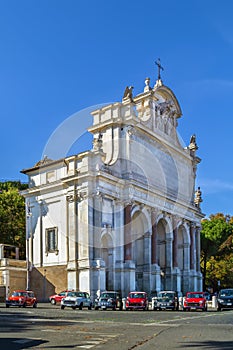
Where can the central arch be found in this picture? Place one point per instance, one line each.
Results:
(106, 253)
(138, 230)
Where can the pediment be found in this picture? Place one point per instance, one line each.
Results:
(159, 109)
(168, 95)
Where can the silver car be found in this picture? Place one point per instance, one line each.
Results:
(76, 300)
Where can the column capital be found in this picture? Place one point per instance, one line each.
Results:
(192, 224)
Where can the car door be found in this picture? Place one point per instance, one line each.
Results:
(60, 296)
(86, 299)
(30, 298)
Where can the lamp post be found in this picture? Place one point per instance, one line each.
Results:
(28, 235)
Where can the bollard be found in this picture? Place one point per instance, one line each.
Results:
(181, 300)
(153, 303)
(214, 302)
(123, 303)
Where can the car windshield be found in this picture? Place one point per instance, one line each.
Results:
(137, 295)
(166, 295)
(195, 295)
(108, 295)
(226, 293)
(75, 294)
(19, 294)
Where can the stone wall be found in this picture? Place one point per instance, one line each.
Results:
(46, 281)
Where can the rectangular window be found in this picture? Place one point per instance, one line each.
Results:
(51, 240)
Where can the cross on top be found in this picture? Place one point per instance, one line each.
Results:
(158, 63)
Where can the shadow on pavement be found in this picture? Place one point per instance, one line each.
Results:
(17, 343)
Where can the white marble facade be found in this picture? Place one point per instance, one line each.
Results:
(124, 215)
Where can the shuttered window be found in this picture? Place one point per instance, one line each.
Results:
(51, 240)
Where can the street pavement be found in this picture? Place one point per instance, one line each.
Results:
(49, 327)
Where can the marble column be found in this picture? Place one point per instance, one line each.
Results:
(192, 247)
(154, 256)
(198, 248)
(127, 233)
(97, 222)
(72, 244)
(175, 245)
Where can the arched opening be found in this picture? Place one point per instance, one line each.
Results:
(138, 231)
(106, 252)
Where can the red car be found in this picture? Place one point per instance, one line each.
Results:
(137, 301)
(195, 301)
(56, 298)
(21, 298)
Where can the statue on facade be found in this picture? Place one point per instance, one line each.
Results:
(198, 197)
(98, 142)
(128, 94)
(193, 144)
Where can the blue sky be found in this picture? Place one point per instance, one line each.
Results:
(59, 57)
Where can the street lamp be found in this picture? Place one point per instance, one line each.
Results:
(28, 235)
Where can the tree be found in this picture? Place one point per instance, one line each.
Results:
(12, 215)
(216, 250)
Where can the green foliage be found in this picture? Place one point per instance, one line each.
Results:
(217, 251)
(12, 215)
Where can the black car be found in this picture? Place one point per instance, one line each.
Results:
(167, 300)
(225, 299)
(109, 300)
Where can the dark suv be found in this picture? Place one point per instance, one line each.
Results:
(167, 300)
(225, 299)
(109, 300)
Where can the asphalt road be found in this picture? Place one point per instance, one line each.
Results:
(49, 327)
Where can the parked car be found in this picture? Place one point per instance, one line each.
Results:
(225, 299)
(137, 301)
(56, 298)
(76, 300)
(109, 300)
(167, 300)
(195, 301)
(21, 298)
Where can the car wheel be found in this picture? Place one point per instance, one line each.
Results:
(7, 305)
(53, 301)
(34, 305)
(90, 307)
(96, 308)
(219, 308)
(184, 309)
(24, 305)
(81, 306)
(73, 307)
(62, 307)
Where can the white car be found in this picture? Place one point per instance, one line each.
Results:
(76, 300)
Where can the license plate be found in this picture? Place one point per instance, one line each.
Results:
(229, 304)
